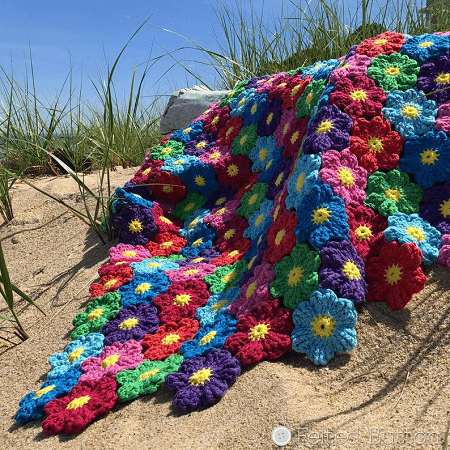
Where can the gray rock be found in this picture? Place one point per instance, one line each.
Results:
(185, 105)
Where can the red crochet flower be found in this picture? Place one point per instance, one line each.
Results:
(365, 228)
(230, 233)
(281, 237)
(358, 97)
(181, 300)
(275, 87)
(147, 171)
(164, 221)
(375, 144)
(292, 140)
(383, 44)
(85, 401)
(166, 186)
(218, 119)
(395, 275)
(229, 131)
(231, 256)
(294, 88)
(168, 339)
(233, 170)
(262, 334)
(113, 268)
(247, 187)
(165, 244)
(110, 283)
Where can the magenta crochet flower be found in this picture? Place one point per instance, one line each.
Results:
(342, 172)
(443, 120)
(112, 360)
(128, 253)
(215, 155)
(444, 251)
(224, 213)
(254, 292)
(187, 273)
(354, 66)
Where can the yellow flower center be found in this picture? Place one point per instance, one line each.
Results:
(232, 170)
(363, 232)
(167, 188)
(252, 261)
(295, 90)
(197, 242)
(444, 208)
(109, 284)
(179, 162)
(110, 361)
(153, 265)
(229, 234)
(295, 276)
(120, 263)
(358, 95)
(324, 127)
(135, 226)
(207, 338)
(193, 223)
(279, 179)
(416, 233)
(254, 108)
(128, 324)
(199, 181)
(200, 145)
(392, 71)
(166, 245)
(294, 137)
(166, 151)
(275, 214)
(215, 155)
(129, 254)
(253, 199)
(351, 270)
(429, 156)
(182, 299)
(269, 164)
(150, 373)
(375, 144)
(323, 326)
(345, 176)
(320, 215)
(380, 41)
(43, 391)
(300, 182)
(443, 78)
(262, 155)
(251, 289)
(229, 131)
(95, 314)
(220, 211)
(243, 139)
(78, 402)
(410, 111)
(233, 254)
(258, 332)
(426, 44)
(242, 101)
(200, 377)
(269, 118)
(279, 237)
(228, 277)
(215, 120)
(219, 305)
(187, 130)
(142, 288)
(393, 274)
(221, 201)
(191, 272)
(146, 171)
(393, 194)
(170, 339)
(309, 98)
(197, 260)
(165, 220)
(75, 354)
(286, 128)
(189, 206)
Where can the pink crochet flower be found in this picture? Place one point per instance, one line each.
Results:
(112, 360)
(354, 66)
(197, 272)
(286, 122)
(128, 253)
(215, 155)
(271, 83)
(444, 251)
(223, 214)
(341, 171)
(443, 120)
(255, 292)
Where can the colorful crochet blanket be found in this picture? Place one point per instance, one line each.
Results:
(260, 228)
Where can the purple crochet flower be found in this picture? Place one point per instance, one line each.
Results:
(203, 381)
(205, 257)
(220, 197)
(329, 129)
(204, 143)
(136, 225)
(133, 322)
(270, 119)
(254, 82)
(434, 79)
(342, 270)
(436, 207)
(280, 177)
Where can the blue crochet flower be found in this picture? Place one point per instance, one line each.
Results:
(75, 353)
(184, 135)
(264, 150)
(239, 104)
(259, 221)
(152, 265)
(210, 337)
(410, 112)
(193, 222)
(176, 166)
(320, 70)
(200, 177)
(271, 167)
(324, 325)
(216, 306)
(127, 198)
(32, 405)
(405, 228)
(303, 177)
(321, 217)
(143, 288)
(427, 157)
(199, 241)
(254, 108)
(426, 46)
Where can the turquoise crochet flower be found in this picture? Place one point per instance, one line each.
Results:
(210, 337)
(259, 221)
(249, 105)
(426, 46)
(320, 69)
(152, 265)
(191, 132)
(321, 217)
(75, 353)
(193, 222)
(216, 306)
(143, 289)
(199, 241)
(264, 150)
(427, 157)
(271, 167)
(239, 103)
(127, 198)
(176, 166)
(410, 112)
(304, 176)
(324, 325)
(406, 228)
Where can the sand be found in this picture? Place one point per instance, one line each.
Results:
(390, 392)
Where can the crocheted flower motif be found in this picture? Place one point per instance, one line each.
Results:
(251, 201)
(143, 289)
(281, 237)
(245, 141)
(254, 292)
(395, 275)
(358, 97)
(206, 257)
(309, 99)
(113, 269)
(410, 112)
(169, 149)
(75, 353)
(342, 270)
(225, 277)
(391, 192)
(427, 157)
(295, 86)
(192, 272)
(287, 123)
(191, 132)
(394, 71)
(133, 322)
(443, 121)
(217, 117)
(201, 145)
(234, 171)
(215, 155)
(230, 233)
(385, 43)
(280, 178)
(436, 207)
(31, 406)
(112, 359)
(97, 313)
(128, 253)
(324, 326)
(231, 256)
(375, 144)
(188, 206)
(220, 197)
(124, 198)
(181, 300)
(329, 129)
(264, 150)
(146, 172)
(444, 252)
(146, 378)
(320, 69)
(136, 225)
(229, 131)
(321, 217)
(210, 337)
(216, 306)
(165, 186)
(270, 119)
(203, 381)
(200, 178)
(198, 242)
(179, 164)
(426, 46)
(341, 171)
(168, 339)
(259, 221)
(302, 179)
(165, 244)
(110, 283)
(365, 228)
(150, 266)
(85, 402)
(263, 334)
(405, 228)
(355, 65)
(296, 276)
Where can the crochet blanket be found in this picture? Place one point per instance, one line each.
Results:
(261, 227)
